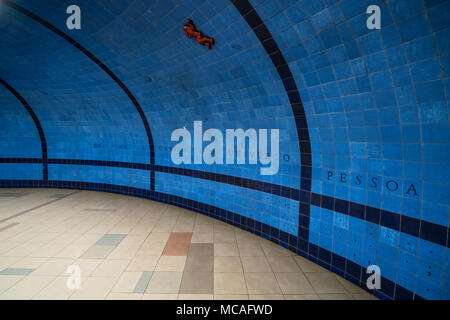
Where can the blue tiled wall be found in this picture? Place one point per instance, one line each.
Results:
(376, 104)
(19, 171)
(272, 210)
(17, 126)
(117, 176)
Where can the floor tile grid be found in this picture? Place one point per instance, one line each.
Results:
(221, 234)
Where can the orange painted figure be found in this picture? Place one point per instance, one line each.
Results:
(190, 31)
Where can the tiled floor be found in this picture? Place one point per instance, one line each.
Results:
(131, 248)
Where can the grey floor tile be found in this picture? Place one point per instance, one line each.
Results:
(110, 239)
(199, 264)
(142, 284)
(16, 271)
(197, 283)
(97, 252)
(201, 249)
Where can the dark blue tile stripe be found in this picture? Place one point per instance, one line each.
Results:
(37, 123)
(419, 228)
(102, 163)
(331, 261)
(21, 160)
(265, 37)
(99, 63)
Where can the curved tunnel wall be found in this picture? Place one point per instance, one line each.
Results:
(363, 119)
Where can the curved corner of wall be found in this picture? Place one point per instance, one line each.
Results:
(364, 137)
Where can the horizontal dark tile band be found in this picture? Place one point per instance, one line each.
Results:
(419, 228)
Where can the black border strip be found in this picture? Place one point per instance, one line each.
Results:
(37, 123)
(99, 63)
(327, 259)
(265, 37)
(418, 228)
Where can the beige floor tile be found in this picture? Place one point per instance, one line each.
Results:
(163, 228)
(7, 261)
(87, 266)
(231, 297)
(121, 229)
(266, 297)
(7, 282)
(7, 246)
(226, 250)
(101, 228)
(162, 296)
(251, 249)
(26, 288)
(141, 229)
(55, 290)
(246, 237)
(350, 287)
(151, 249)
(171, 263)
(262, 283)
(157, 237)
(110, 268)
(308, 266)
(273, 250)
(222, 227)
(96, 288)
(294, 283)
(229, 283)
(301, 297)
(203, 228)
(255, 264)
(53, 267)
(89, 238)
(143, 263)
(65, 238)
(49, 250)
(195, 297)
(336, 296)
(325, 283)
(283, 264)
(164, 282)
(127, 282)
(202, 237)
(183, 228)
(73, 251)
(133, 240)
(44, 237)
(124, 251)
(23, 250)
(364, 296)
(29, 263)
(201, 219)
(124, 296)
(224, 237)
(227, 264)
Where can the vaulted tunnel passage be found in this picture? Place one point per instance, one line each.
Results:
(362, 115)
